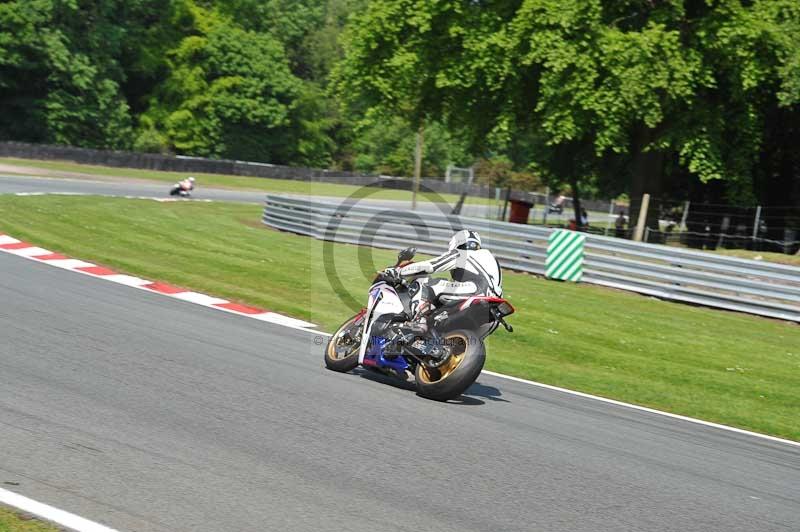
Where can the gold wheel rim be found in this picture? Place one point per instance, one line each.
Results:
(428, 375)
(333, 344)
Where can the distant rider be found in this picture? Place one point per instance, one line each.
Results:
(475, 271)
(187, 185)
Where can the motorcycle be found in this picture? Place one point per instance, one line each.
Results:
(178, 190)
(444, 362)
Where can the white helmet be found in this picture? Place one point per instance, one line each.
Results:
(191, 179)
(465, 240)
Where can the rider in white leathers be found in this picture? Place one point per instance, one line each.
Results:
(475, 271)
(187, 184)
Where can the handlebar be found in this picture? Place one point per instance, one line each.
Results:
(394, 282)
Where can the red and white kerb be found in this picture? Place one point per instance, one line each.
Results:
(9, 244)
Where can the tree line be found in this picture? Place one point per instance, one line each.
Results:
(238, 79)
(686, 99)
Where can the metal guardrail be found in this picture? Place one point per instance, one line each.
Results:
(694, 277)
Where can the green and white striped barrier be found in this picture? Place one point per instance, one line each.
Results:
(565, 255)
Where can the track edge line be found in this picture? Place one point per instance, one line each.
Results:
(51, 513)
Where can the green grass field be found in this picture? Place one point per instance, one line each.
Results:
(11, 521)
(791, 260)
(766, 256)
(257, 184)
(719, 366)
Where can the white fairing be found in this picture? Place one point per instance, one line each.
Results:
(383, 299)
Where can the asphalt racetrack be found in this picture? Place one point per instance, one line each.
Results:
(43, 185)
(28, 185)
(146, 413)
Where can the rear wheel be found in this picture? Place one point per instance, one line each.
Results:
(459, 370)
(341, 353)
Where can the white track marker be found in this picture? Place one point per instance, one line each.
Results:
(622, 404)
(153, 198)
(30, 252)
(127, 280)
(68, 264)
(642, 408)
(200, 299)
(55, 515)
(280, 319)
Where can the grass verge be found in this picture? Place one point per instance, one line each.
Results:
(257, 184)
(782, 258)
(13, 521)
(725, 367)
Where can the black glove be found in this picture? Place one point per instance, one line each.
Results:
(392, 276)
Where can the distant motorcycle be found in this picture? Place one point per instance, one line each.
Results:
(444, 362)
(183, 188)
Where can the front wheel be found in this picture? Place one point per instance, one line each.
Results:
(341, 353)
(458, 372)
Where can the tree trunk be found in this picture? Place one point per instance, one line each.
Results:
(576, 199)
(647, 169)
(778, 185)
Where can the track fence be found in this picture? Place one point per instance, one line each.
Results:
(666, 272)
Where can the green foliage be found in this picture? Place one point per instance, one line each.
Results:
(229, 94)
(58, 80)
(386, 146)
(603, 96)
(149, 139)
(498, 171)
(212, 78)
(597, 89)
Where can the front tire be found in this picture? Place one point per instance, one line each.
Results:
(458, 372)
(341, 353)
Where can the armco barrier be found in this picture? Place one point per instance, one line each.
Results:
(755, 287)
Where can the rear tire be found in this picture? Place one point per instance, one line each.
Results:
(458, 373)
(333, 358)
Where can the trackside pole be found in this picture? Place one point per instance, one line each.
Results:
(637, 236)
(610, 216)
(505, 204)
(459, 204)
(417, 168)
(756, 222)
(546, 205)
(685, 216)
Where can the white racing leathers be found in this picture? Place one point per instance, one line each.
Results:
(473, 273)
